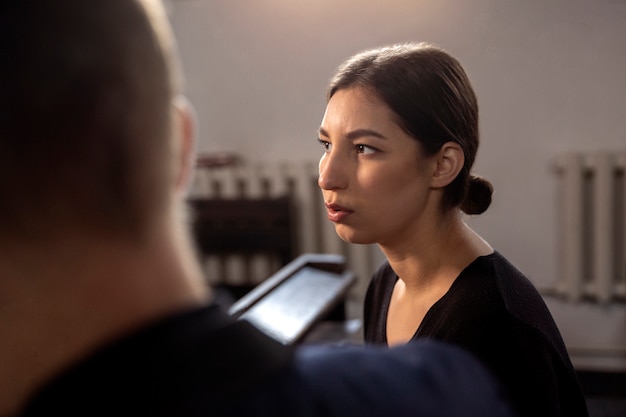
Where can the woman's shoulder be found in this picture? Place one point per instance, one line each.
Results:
(509, 282)
(521, 300)
(520, 296)
(517, 293)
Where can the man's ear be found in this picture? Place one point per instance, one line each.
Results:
(184, 136)
(449, 162)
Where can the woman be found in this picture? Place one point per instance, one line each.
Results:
(400, 135)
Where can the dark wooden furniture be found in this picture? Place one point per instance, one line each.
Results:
(244, 227)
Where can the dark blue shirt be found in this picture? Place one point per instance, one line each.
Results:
(202, 363)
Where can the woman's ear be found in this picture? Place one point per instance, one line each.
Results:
(449, 162)
(184, 146)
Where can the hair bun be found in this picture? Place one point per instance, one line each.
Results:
(478, 196)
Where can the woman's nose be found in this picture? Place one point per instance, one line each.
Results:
(331, 172)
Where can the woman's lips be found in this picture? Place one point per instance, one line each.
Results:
(337, 213)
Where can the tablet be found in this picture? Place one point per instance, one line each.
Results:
(292, 301)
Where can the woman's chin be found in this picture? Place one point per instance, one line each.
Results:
(350, 236)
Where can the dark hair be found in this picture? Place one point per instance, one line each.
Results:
(85, 96)
(434, 101)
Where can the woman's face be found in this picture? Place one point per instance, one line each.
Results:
(374, 182)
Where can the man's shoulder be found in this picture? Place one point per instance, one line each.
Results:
(421, 378)
(175, 364)
(203, 363)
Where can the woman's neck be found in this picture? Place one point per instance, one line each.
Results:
(436, 255)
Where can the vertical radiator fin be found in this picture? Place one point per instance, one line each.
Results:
(592, 213)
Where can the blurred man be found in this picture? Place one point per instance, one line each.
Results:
(103, 310)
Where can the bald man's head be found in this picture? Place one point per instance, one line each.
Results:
(86, 89)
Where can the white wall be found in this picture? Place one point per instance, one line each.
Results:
(550, 77)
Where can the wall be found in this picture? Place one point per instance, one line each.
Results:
(550, 77)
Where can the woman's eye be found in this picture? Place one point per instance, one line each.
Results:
(325, 144)
(364, 149)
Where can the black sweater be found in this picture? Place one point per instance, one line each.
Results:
(494, 311)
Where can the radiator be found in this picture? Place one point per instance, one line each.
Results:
(315, 234)
(592, 230)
